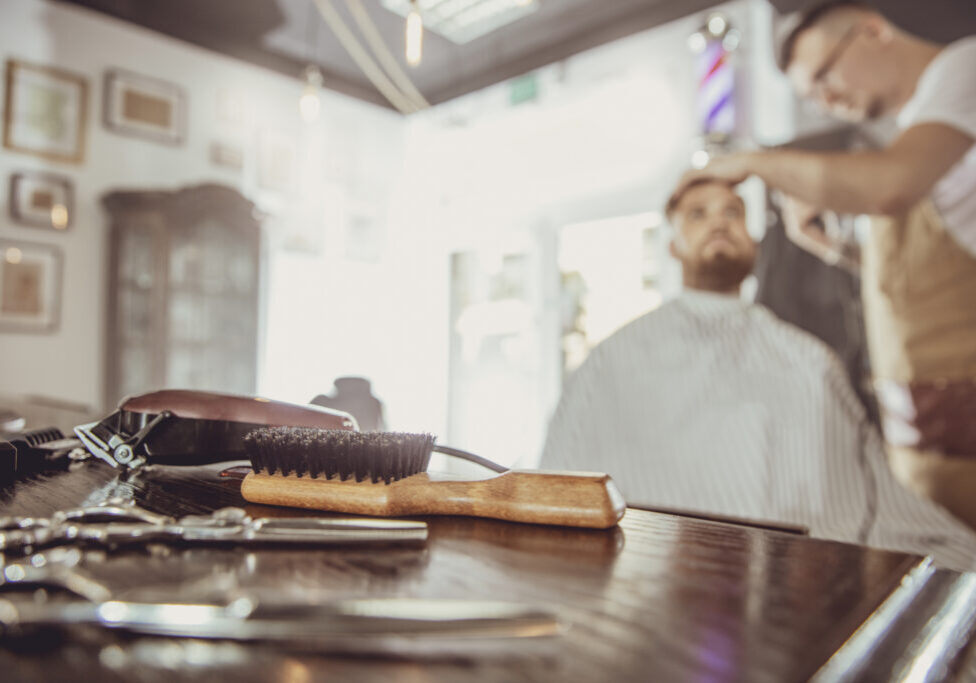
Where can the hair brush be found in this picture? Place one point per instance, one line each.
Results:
(384, 474)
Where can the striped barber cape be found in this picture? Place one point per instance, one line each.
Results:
(712, 404)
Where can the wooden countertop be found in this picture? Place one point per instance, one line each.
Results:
(661, 598)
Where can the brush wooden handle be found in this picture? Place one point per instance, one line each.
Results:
(579, 499)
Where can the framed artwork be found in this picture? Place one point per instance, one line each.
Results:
(276, 162)
(144, 107)
(227, 154)
(43, 200)
(30, 287)
(45, 112)
(365, 232)
(364, 237)
(231, 107)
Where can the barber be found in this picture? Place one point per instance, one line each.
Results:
(919, 264)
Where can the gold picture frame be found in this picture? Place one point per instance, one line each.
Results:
(41, 200)
(144, 107)
(30, 287)
(45, 112)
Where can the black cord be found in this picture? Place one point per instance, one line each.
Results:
(470, 457)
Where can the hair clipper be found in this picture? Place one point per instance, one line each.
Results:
(184, 427)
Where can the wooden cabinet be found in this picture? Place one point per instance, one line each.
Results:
(183, 291)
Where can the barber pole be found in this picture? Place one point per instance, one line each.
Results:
(713, 45)
(716, 91)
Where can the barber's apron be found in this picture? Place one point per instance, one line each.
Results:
(919, 291)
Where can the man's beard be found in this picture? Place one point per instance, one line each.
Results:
(722, 272)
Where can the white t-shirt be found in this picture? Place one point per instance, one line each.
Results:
(946, 93)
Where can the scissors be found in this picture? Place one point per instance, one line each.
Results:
(113, 524)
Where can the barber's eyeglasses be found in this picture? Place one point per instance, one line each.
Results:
(820, 75)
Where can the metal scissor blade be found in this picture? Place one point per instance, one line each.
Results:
(308, 530)
(303, 531)
(324, 533)
(416, 617)
(121, 525)
(303, 624)
(168, 619)
(53, 569)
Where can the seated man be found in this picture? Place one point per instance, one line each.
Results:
(712, 404)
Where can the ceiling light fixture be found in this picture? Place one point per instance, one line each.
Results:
(309, 103)
(414, 35)
(462, 21)
(59, 216)
(389, 63)
(717, 25)
(13, 255)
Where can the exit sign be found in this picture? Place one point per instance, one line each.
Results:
(523, 89)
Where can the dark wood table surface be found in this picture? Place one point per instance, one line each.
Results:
(661, 598)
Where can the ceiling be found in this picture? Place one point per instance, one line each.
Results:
(286, 35)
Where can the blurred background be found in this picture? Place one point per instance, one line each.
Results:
(261, 196)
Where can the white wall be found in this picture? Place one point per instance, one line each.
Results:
(611, 130)
(354, 151)
(608, 135)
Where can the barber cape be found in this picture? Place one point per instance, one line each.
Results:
(712, 404)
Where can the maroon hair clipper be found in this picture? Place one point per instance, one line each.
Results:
(181, 427)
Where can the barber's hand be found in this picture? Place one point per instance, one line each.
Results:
(806, 228)
(731, 168)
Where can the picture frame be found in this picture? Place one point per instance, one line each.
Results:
(227, 155)
(30, 287)
(276, 163)
(231, 108)
(364, 238)
(144, 107)
(42, 200)
(45, 112)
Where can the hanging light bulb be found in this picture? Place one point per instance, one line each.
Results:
(309, 103)
(697, 42)
(415, 35)
(59, 216)
(717, 25)
(13, 255)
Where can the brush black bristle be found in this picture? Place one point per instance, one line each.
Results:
(342, 453)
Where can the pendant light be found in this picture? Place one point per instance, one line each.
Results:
(414, 35)
(309, 103)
